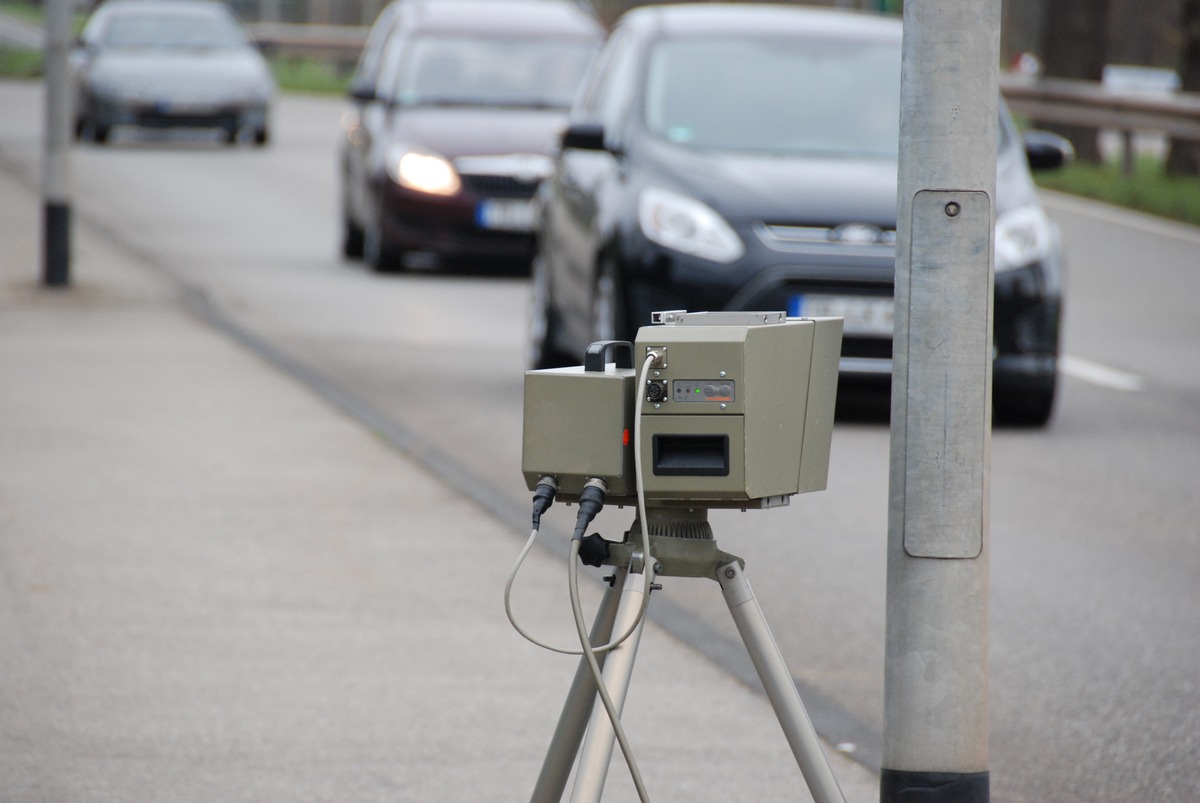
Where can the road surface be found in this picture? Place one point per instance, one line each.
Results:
(1095, 534)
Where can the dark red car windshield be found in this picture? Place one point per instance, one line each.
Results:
(493, 71)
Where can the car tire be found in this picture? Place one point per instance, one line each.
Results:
(352, 238)
(1024, 407)
(542, 326)
(262, 136)
(377, 253)
(86, 127)
(608, 302)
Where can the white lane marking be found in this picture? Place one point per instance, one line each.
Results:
(1097, 374)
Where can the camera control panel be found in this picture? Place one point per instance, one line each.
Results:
(703, 390)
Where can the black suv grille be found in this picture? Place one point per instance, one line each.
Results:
(500, 186)
(875, 347)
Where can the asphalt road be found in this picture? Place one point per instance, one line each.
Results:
(1095, 536)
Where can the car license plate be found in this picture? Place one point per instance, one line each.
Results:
(871, 316)
(505, 215)
(181, 106)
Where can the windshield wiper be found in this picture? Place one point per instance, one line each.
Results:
(464, 101)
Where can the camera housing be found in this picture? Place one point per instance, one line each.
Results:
(736, 410)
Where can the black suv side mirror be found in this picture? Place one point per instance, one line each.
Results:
(362, 91)
(1047, 151)
(584, 137)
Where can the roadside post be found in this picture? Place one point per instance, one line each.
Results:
(56, 170)
(936, 659)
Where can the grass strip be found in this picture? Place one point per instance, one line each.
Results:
(1149, 189)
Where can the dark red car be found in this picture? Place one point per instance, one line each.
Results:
(454, 115)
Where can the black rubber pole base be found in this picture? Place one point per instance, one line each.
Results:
(898, 786)
(57, 268)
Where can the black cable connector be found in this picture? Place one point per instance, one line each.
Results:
(543, 498)
(591, 502)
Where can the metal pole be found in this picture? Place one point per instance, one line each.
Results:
(936, 663)
(56, 228)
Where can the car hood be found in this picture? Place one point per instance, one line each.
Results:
(477, 131)
(798, 190)
(794, 190)
(213, 71)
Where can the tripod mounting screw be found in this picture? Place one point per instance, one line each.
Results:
(730, 573)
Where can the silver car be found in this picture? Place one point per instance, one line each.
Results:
(167, 64)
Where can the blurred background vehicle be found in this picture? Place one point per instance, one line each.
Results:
(178, 64)
(744, 157)
(454, 113)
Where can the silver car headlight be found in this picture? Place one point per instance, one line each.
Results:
(422, 170)
(1023, 236)
(684, 224)
(253, 92)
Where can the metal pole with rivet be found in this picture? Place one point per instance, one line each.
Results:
(936, 662)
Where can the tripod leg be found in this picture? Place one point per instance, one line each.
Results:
(768, 661)
(573, 721)
(618, 668)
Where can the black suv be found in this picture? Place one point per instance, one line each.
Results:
(741, 157)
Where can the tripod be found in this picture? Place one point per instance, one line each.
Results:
(681, 545)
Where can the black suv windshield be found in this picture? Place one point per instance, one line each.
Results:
(477, 70)
(775, 96)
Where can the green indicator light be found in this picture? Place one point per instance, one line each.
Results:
(697, 390)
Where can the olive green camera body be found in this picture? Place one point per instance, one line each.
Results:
(734, 409)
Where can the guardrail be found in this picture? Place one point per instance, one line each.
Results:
(1089, 104)
(338, 43)
(1049, 100)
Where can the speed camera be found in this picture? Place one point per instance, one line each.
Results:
(726, 409)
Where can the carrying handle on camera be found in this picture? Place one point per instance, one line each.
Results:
(593, 358)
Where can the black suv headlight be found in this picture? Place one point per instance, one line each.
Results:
(684, 224)
(1023, 237)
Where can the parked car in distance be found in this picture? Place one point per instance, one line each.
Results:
(169, 64)
(743, 157)
(453, 116)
